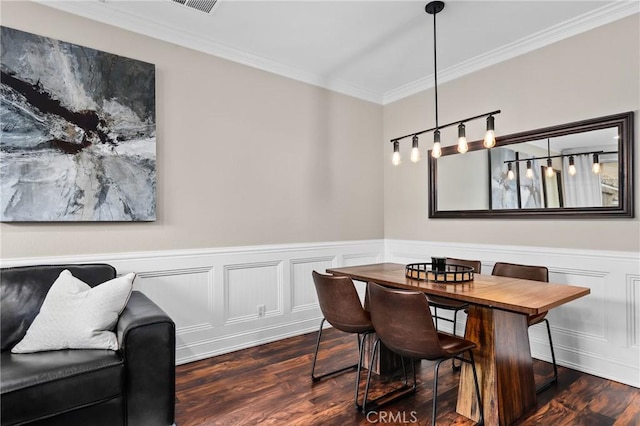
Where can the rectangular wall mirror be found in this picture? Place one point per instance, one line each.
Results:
(580, 169)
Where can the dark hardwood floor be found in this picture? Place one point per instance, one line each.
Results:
(271, 385)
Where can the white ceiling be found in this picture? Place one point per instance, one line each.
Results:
(380, 51)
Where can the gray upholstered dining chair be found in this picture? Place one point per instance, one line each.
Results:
(341, 307)
(534, 273)
(403, 323)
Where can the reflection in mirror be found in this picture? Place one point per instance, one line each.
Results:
(468, 176)
(582, 168)
(534, 185)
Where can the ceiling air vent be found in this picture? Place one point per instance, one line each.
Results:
(205, 6)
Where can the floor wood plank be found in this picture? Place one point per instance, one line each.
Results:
(271, 385)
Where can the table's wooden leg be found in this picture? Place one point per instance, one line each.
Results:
(504, 366)
(386, 362)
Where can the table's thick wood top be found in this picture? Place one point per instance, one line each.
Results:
(512, 294)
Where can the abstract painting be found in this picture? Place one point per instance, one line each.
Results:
(504, 191)
(530, 187)
(78, 133)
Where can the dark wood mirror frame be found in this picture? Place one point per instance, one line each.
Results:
(624, 122)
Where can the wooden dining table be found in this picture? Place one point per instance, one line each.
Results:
(497, 323)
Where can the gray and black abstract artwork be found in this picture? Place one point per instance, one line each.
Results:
(78, 133)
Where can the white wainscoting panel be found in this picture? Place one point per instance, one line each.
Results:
(597, 334)
(584, 316)
(213, 294)
(181, 287)
(633, 310)
(246, 286)
(360, 259)
(303, 291)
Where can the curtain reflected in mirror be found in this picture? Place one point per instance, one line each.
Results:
(582, 167)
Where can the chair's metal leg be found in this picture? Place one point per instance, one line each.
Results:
(455, 322)
(366, 388)
(435, 391)
(404, 371)
(315, 378)
(360, 360)
(393, 395)
(553, 354)
(435, 315)
(554, 379)
(475, 381)
(413, 367)
(315, 355)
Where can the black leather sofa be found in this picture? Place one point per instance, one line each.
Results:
(132, 386)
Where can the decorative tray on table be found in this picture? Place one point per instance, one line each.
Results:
(451, 274)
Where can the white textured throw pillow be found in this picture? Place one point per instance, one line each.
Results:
(75, 315)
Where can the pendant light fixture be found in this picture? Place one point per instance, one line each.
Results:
(572, 166)
(462, 139)
(529, 170)
(549, 171)
(490, 136)
(433, 8)
(415, 152)
(596, 164)
(396, 153)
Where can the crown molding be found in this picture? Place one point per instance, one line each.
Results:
(102, 12)
(569, 28)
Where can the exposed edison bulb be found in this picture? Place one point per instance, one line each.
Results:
(415, 152)
(489, 139)
(436, 151)
(395, 158)
(415, 155)
(596, 164)
(530, 173)
(490, 136)
(572, 167)
(463, 146)
(550, 172)
(510, 174)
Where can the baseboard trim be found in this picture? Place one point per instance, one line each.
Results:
(245, 345)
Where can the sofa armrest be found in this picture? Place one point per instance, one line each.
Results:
(146, 335)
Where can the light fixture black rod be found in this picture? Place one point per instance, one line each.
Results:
(446, 125)
(562, 155)
(435, 67)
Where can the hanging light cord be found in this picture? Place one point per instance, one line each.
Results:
(435, 66)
